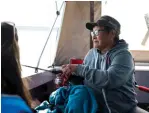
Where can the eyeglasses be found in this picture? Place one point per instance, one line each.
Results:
(96, 32)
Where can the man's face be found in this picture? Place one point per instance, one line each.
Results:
(101, 38)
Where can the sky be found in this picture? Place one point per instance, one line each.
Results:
(34, 20)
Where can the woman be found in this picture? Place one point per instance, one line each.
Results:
(11, 83)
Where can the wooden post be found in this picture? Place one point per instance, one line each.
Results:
(91, 20)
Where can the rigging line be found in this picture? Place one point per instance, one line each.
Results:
(53, 70)
(53, 64)
(56, 5)
(61, 6)
(36, 69)
(57, 34)
(56, 39)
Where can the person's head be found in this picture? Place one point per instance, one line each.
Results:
(10, 63)
(105, 32)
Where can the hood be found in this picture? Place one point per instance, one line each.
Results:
(119, 46)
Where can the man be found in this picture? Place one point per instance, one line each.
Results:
(108, 68)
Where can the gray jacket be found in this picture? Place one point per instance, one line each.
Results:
(111, 76)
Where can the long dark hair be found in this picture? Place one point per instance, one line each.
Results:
(10, 63)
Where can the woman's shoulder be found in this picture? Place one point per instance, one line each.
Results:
(14, 103)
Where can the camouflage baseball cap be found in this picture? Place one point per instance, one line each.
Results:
(105, 21)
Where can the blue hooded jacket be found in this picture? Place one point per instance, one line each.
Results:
(14, 104)
(111, 76)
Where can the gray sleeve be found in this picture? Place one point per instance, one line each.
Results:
(116, 75)
(88, 56)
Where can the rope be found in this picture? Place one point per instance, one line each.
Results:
(58, 13)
